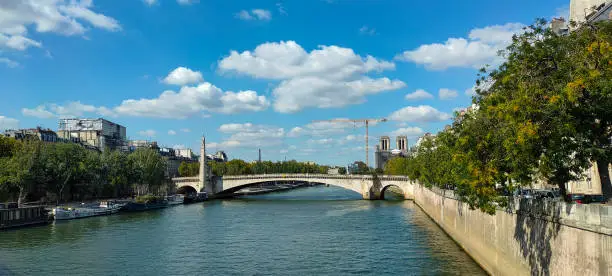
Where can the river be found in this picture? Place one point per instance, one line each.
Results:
(310, 231)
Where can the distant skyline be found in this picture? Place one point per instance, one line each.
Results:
(253, 74)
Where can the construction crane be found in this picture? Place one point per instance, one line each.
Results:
(366, 121)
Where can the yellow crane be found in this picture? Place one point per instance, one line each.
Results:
(366, 121)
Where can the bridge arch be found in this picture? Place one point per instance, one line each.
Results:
(391, 186)
(186, 189)
(261, 181)
(232, 188)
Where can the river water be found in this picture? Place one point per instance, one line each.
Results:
(310, 231)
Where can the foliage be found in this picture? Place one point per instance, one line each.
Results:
(148, 199)
(396, 166)
(362, 168)
(240, 167)
(189, 169)
(149, 168)
(33, 170)
(545, 113)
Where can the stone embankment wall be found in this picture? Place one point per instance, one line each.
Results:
(530, 237)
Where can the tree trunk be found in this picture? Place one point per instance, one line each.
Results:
(21, 197)
(563, 191)
(604, 177)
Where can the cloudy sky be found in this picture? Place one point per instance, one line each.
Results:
(253, 74)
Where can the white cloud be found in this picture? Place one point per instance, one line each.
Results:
(255, 14)
(183, 76)
(189, 101)
(262, 14)
(327, 77)
(281, 9)
(421, 113)
(147, 133)
(324, 128)
(323, 141)
(49, 16)
(171, 132)
(187, 2)
(17, 42)
(447, 94)
(351, 138)
(38, 112)
(97, 20)
(243, 101)
(484, 85)
(150, 2)
(71, 109)
(408, 131)
(9, 63)
(479, 49)
(179, 146)
(8, 123)
(186, 130)
(419, 94)
(296, 132)
(298, 93)
(248, 135)
(365, 30)
(285, 60)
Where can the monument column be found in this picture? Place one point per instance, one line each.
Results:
(202, 176)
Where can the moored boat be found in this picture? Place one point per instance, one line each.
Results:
(144, 203)
(104, 208)
(13, 216)
(175, 199)
(195, 197)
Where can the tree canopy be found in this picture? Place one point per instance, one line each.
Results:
(33, 170)
(544, 114)
(241, 167)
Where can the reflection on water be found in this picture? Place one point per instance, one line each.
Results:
(312, 231)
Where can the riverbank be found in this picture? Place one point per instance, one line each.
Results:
(550, 238)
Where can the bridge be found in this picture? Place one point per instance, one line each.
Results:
(369, 186)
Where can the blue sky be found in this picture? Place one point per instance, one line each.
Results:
(252, 74)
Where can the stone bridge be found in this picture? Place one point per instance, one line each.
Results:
(370, 187)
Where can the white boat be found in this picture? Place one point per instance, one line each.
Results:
(175, 199)
(105, 208)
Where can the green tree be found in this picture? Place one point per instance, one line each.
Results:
(149, 168)
(553, 101)
(19, 172)
(118, 172)
(64, 163)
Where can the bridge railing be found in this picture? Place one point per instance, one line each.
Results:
(185, 179)
(314, 176)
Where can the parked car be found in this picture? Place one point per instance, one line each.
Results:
(577, 198)
(526, 193)
(544, 194)
(594, 199)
